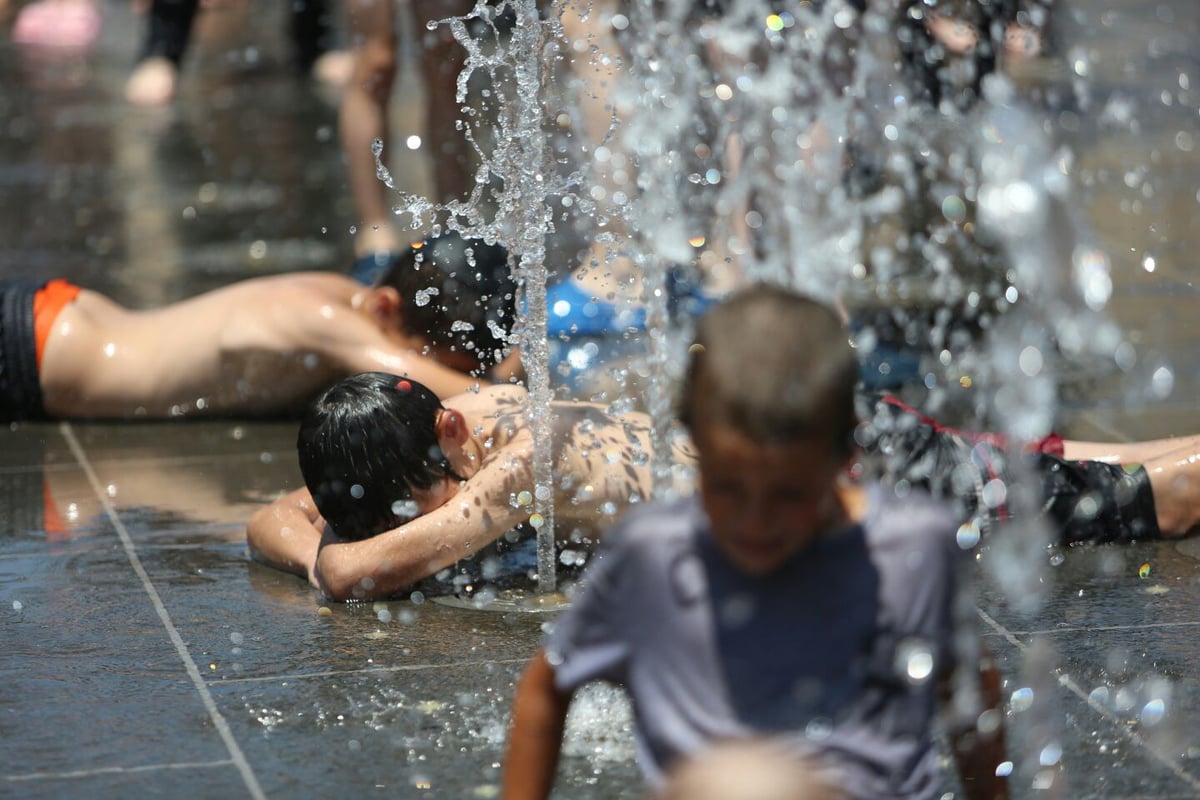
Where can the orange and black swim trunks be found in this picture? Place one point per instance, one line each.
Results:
(27, 313)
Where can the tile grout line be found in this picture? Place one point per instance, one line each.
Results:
(334, 673)
(1103, 628)
(85, 773)
(235, 752)
(1074, 688)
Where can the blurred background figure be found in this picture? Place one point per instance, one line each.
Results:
(168, 26)
(373, 28)
(58, 24)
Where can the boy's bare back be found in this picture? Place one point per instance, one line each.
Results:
(258, 347)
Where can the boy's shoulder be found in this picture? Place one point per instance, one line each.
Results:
(655, 527)
(908, 517)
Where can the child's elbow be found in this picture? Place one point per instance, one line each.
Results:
(256, 528)
(337, 583)
(342, 580)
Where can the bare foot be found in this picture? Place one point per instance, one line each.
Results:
(333, 69)
(152, 83)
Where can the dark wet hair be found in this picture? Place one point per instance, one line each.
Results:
(774, 365)
(364, 445)
(457, 293)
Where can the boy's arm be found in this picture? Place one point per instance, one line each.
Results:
(509, 370)
(441, 380)
(977, 754)
(535, 736)
(389, 562)
(286, 534)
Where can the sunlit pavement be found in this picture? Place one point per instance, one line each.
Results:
(143, 654)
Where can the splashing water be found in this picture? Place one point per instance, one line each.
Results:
(508, 203)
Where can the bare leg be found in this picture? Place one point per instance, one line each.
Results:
(154, 80)
(1175, 481)
(363, 118)
(442, 59)
(1129, 452)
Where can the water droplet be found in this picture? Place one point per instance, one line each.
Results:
(1030, 361)
(1021, 700)
(1153, 712)
(954, 209)
(994, 493)
(968, 535)
(818, 729)
(406, 509)
(1050, 755)
(1162, 383)
(914, 660)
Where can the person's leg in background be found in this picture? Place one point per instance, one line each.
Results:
(156, 76)
(312, 32)
(442, 60)
(362, 119)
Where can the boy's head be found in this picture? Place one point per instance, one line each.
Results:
(774, 365)
(769, 400)
(457, 294)
(369, 453)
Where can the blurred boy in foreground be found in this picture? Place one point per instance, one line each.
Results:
(784, 599)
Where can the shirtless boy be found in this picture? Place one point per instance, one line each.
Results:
(409, 486)
(260, 347)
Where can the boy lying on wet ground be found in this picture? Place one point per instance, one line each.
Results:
(261, 347)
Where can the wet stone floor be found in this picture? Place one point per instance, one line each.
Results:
(143, 654)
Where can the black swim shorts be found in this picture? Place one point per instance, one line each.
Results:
(20, 390)
(1090, 501)
(1084, 501)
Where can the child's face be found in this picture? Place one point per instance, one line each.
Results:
(766, 502)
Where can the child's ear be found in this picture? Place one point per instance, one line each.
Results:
(385, 304)
(451, 425)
